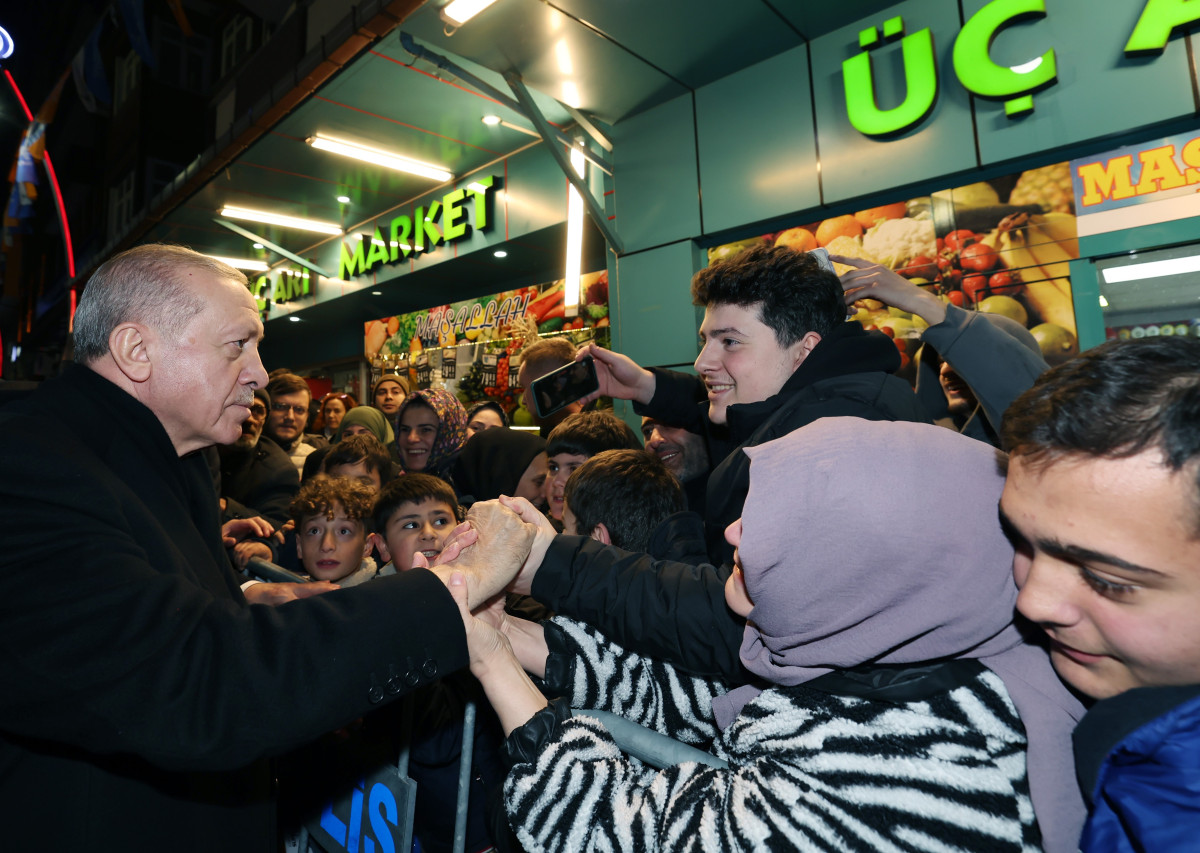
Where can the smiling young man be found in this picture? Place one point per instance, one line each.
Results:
(1103, 501)
(776, 354)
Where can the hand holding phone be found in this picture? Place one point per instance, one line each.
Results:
(563, 386)
(823, 261)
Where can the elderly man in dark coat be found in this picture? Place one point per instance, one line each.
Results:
(139, 690)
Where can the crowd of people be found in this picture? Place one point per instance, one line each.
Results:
(872, 617)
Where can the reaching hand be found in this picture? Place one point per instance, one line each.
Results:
(237, 529)
(873, 281)
(244, 552)
(490, 564)
(620, 376)
(275, 594)
(544, 535)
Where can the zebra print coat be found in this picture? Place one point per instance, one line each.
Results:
(808, 770)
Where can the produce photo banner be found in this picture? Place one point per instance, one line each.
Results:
(1001, 246)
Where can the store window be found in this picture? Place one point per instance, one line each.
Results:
(1151, 293)
(128, 76)
(183, 60)
(237, 40)
(121, 206)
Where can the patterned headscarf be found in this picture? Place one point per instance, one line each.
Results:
(452, 428)
(880, 542)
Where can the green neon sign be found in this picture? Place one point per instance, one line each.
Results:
(920, 78)
(973, 65)
(460, 212)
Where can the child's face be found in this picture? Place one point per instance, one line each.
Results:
(416, 527)
(331, 548)
(359, 471)
(561, 466)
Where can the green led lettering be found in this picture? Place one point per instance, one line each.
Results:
(401, 230)
(353, 261)
(920, 78)
(1158, 19)
(378, 253)
(981, 76)
(454, 216)
(484, 201)
(425, 226)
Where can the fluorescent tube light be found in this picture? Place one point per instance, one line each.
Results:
(1152, 269)
(378, 157)
(574, 239)
(242, 263)
(281, 220)
(458, 12)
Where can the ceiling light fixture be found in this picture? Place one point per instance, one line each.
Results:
(378, 157)
(294, 319)
(500, 253)
(283, 221)
(492, 121)
(1152, 269)
(343, 199)
(258, 245)
(242, 263)
(574, 239)
(458, 12)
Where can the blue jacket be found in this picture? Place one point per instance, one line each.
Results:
(1145, 790)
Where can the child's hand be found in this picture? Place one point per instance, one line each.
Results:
(244, 552)
(237, 529)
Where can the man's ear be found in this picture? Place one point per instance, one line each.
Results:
(804, 347)
(600, 534)
(380, 546)
(128, 344)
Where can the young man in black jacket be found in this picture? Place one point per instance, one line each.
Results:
(776, 354)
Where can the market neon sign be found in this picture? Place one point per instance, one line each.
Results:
(973, 66)
(460, 212)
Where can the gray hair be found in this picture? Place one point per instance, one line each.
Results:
(142, 285)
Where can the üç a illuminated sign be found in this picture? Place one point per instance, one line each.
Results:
(1014, 86)
(6, 44)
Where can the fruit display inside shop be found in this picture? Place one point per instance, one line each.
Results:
(1002, 246)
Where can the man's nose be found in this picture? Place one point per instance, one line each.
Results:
(1046, 595)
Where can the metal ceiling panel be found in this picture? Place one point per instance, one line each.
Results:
(812, 19)
(555, 54)
(694, 41)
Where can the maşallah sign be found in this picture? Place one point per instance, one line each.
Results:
(973, 66)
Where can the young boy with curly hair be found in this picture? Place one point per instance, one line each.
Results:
(333, 521)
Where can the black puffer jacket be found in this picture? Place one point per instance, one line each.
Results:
(676, 611)
(848, 374)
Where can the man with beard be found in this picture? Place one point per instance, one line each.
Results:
(257, 477)
(685, 455)
(287, 417)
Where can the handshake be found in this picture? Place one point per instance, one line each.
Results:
(500, 546)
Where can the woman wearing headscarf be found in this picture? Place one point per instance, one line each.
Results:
(433, 428)
(899, 707)
(360, 419)
(497, 462)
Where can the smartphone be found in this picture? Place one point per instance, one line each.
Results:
(563, 386)
(823, 261)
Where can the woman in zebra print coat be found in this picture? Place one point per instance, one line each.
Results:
(892, 722)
